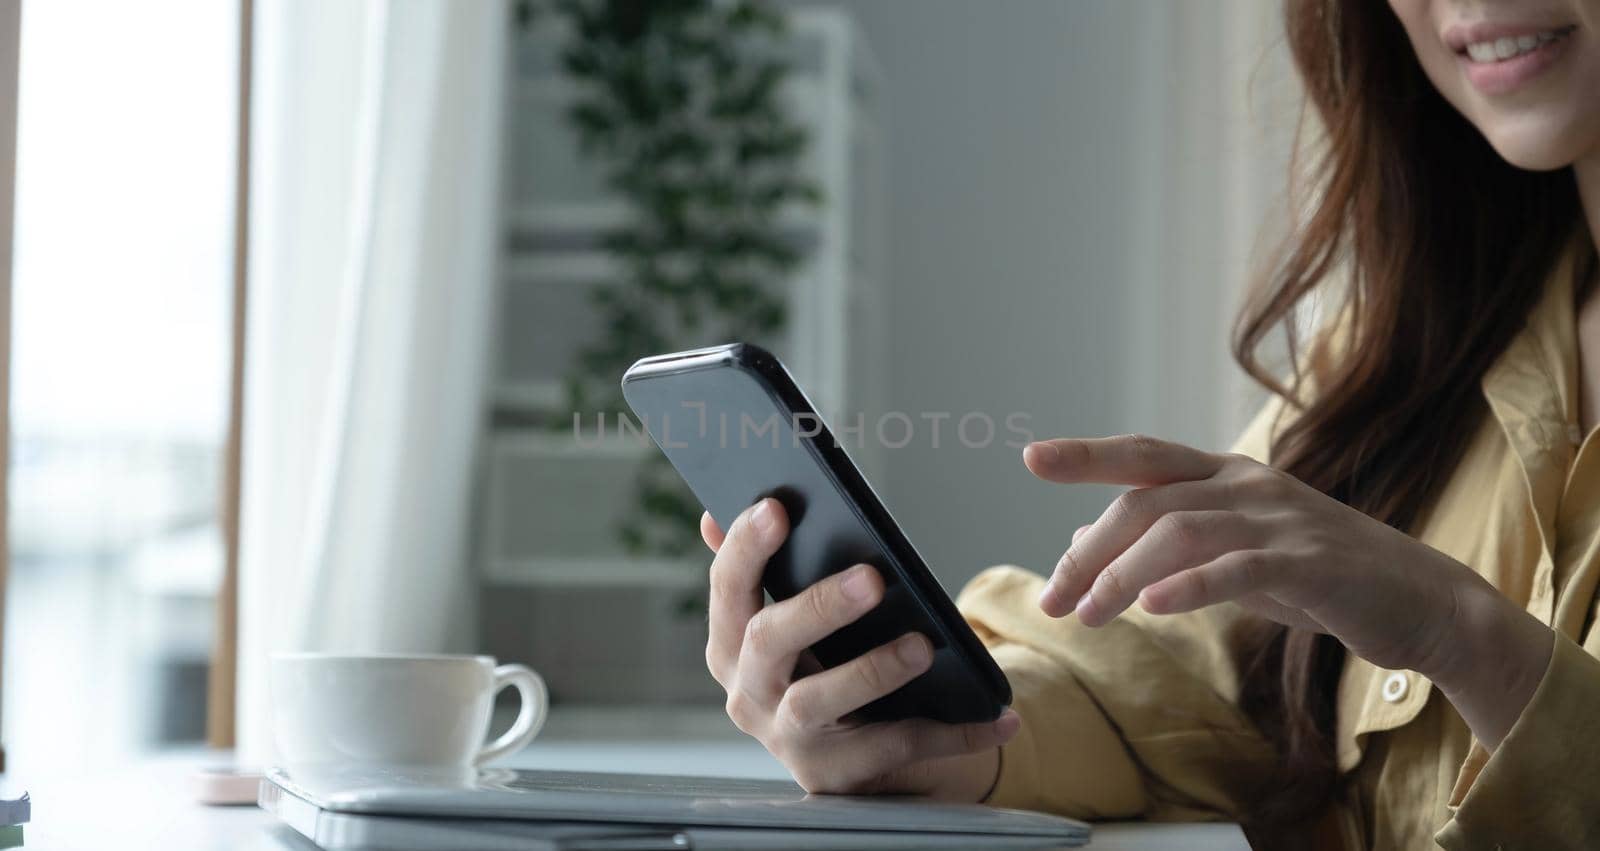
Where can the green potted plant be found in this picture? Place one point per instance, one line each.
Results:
(679, 104)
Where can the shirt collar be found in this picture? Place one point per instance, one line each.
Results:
(1533, 386)
(1532, 389)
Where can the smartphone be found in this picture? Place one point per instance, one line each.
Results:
(737, 428)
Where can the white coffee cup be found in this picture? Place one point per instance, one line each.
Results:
(396, 710)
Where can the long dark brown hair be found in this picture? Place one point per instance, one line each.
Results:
(1437, 249)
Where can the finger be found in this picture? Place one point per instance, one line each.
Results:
(775, 637)
(823, 698)
(875, 750)
(1124, 521)
(1230, 576)
(1080, 531)
(736, 581)
(1177, 542)
(710, 532)
(1133, 460)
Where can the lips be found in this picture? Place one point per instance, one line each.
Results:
(1499, 59)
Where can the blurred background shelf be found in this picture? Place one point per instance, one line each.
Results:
(560, 591)
(684, 574)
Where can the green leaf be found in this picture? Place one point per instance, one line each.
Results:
(679, 107)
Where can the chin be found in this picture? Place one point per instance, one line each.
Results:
(1538, 142)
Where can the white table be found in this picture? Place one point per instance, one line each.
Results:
(147, 804)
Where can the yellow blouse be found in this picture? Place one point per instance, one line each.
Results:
(1140, 719)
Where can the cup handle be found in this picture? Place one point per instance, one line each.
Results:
(530, 718)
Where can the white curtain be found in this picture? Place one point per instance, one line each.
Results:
(1220, 102)
(374, 198)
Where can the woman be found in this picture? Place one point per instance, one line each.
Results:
(1373, 628)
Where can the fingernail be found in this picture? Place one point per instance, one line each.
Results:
(1049, 598)
(763, 518)
(858, 585)
(913, 651)
(1008, 724)
(1050, 452)
(1083, 601)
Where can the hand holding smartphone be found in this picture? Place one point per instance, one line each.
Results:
(895, 694)
(738, 429)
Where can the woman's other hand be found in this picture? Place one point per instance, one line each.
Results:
(1199, 529)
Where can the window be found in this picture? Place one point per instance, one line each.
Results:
(123, 265)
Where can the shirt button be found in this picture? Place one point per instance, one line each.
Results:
(1395, 687)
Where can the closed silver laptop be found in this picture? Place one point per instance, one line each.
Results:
(354, 809)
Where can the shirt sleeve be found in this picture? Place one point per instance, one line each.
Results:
(1138, 718)
(1541, 787)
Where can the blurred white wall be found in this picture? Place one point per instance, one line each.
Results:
(1074, 194)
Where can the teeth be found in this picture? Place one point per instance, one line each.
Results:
(1505, 48)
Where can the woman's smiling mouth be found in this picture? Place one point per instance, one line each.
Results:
(1498, 60)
